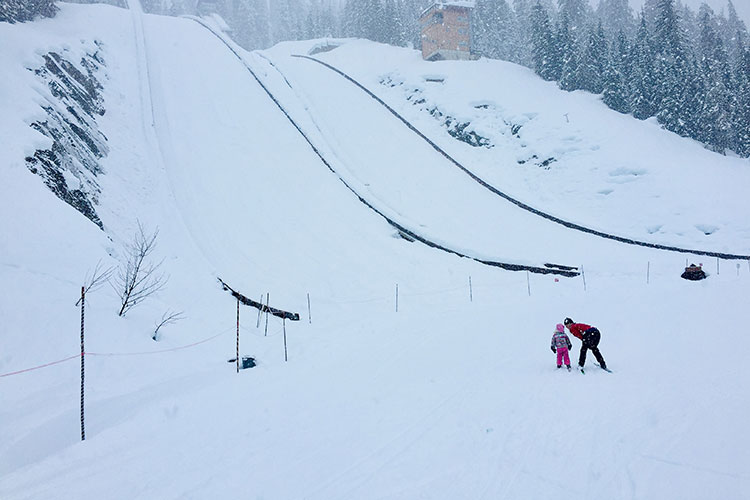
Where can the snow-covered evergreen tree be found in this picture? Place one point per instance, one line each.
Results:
(617, 74)
(492, 29)
(391, 24)
(616, 16)
(520, 42)
(642, 82)
(577, 12)
(566, 55)
(592, 61)
(250, 24)
(741, 110)
(543, 44)
(715, 120)
(734, 34)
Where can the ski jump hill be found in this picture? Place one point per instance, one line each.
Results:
(426, 225)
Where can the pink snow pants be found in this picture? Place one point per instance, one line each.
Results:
(562, 354)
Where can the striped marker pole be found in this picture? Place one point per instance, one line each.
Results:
(83, 299)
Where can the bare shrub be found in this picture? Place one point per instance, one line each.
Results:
(137, 278)
(167, 318)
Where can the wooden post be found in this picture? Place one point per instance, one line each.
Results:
(268, 295)
(471, 292)
(396, 297)
(583, 275)
(83, 299)
(309, 316)
(238, 335)
(283, 323)
(528, 283)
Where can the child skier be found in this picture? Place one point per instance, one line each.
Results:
(560, 345)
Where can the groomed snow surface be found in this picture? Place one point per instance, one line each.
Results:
(453, 395)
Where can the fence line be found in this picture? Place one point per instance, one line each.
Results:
(112, 354)
(40, 366)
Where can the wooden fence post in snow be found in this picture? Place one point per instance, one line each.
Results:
(528, 283)
(309, 315)
(238, 335)
(583, 275)
(268, 301)
(283, 323)
(83, 299)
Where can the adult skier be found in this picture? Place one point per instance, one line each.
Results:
(590, 338)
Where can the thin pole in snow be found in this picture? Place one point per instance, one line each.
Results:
(283, 323)
(260, 311)
(268, 299)
(583, 275)
(471, 292)
(396, 297)
(648, 272)
(717, 266)
(83, 299)
(738, 269)
(309, 315)
(528, 283)
(238, 335)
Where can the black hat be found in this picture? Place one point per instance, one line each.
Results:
(568, 321)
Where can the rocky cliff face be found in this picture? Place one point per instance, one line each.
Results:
(71, 166)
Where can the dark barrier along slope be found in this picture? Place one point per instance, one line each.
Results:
(550, 269)
(520, 204)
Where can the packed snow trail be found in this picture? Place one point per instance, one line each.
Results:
(518, 203)
(567, 271)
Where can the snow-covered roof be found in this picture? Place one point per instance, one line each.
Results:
(469, 4)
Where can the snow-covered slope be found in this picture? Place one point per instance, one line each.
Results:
(455, 394)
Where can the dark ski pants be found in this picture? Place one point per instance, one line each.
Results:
(591, 338)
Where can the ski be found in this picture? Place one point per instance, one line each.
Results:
(605, 369)
(580, 368)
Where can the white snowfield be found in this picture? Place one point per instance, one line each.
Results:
(453, 395)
